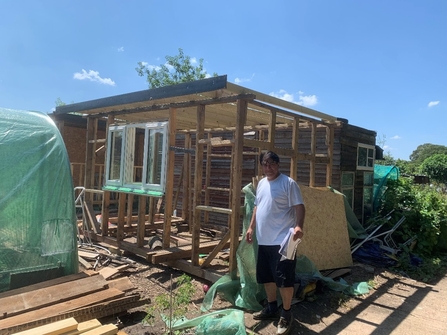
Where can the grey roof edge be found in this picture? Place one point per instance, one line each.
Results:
(199, 86)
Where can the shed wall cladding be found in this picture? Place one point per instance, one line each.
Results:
(350, 137)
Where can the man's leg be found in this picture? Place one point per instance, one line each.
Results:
(270, 290)
(287, 296)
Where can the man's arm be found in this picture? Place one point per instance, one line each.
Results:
(300, 213)
(251, 227)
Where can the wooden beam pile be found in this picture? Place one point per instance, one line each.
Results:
(84, 297)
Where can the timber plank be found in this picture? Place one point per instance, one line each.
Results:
(183, 252)
(123, 284)
(109, 272)
(55, 328)
(108, 329)
(28, 301)
(48, 283)
(59, 309)
(85, 326)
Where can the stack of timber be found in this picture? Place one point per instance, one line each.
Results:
(84, 296)
(71, 327)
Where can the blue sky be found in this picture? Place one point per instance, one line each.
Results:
(380, 64)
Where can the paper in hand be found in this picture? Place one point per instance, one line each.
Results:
(288, 246)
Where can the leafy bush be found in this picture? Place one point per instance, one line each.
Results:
(425, 210)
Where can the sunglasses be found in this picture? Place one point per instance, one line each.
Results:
(269, 164)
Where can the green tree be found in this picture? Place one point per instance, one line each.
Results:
(435, 167)
(426, 150)
(177, 69)
(59, 102)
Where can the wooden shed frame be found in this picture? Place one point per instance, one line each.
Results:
(199, 109)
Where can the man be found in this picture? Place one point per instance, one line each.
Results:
(278, 207)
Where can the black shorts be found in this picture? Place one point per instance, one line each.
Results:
(269, 268)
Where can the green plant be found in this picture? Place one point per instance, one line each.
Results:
(173, 306)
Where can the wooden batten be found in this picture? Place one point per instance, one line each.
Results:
(294, 157)
(313, 146)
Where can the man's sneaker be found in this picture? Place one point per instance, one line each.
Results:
(284, 326)
(266, 314)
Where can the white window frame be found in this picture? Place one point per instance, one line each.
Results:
(370, 156)
(127, 162)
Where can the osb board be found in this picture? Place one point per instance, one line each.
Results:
(326, 240)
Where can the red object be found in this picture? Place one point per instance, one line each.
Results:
(205, 288)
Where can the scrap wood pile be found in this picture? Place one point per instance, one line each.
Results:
(84, 296)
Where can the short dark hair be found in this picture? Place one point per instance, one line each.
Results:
(269, 154)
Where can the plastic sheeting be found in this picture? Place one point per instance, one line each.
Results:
(37, 212)
(242, 290)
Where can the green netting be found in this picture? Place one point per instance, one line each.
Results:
(381, 174)
(37, 212)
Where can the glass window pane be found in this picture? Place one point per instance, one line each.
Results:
(154, 156)
(370, 153)
(347, 179)
(362, 156)
(368, 179)
(115, 156)
(367, 195)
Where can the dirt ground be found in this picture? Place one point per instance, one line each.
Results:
(326, 311)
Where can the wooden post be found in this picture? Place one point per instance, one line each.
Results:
(89, 179)
(186, 208)
(129, 210)
(236, 176)
(121, 213)
(209, 149)
(272, 129)
(294, 158)
(169, 190)
(106, 195)
(198, 175)
(141, 225)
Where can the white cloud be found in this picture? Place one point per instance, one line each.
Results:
(193, 60)
(93, 76)
(395, 137)
(244, 80)
(304, 100)
(120, 49)
(433, 103)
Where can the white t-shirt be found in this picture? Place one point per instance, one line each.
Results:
(274, 208)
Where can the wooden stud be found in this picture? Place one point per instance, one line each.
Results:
(141, 225)
(169, 191)
(106, 195)
(209, 149)
(121, 212)
(236, 173)
(198, 175)
(186, 208)
(294, 158)
(272, 130)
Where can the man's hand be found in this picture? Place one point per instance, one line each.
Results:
(298, 233)
(249, 235)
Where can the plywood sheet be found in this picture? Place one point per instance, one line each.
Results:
(326, 239)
